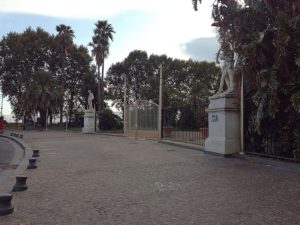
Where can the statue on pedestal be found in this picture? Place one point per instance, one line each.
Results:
(89, 116)
(90, 107)
(226, 53)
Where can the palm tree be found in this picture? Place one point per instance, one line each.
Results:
(195, 4)
(43, 94)
(103, 33)
(65, 40)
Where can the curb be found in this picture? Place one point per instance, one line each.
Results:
(9, 176)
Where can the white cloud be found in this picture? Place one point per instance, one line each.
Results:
(174, 22)
(168, 30)
(92, 8)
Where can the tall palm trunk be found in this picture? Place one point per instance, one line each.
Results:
(102, 86)
(51, 118)
(43, 115)
(61, 108)
(71, 106)
(99, 90)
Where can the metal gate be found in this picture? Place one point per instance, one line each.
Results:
(141, 120)
(188, 124)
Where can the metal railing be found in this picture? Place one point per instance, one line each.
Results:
(187, 124)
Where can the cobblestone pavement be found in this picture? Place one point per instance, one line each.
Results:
(6, 153)
(96, 179)
(10, 154)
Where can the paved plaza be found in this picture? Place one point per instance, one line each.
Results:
(110, 180)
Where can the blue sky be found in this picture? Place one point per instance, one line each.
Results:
(160, 27)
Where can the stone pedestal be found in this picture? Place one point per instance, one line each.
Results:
(224, 125)
(89, 123)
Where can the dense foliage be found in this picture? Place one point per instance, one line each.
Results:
(103, 34)
(29, 58)
(265, 35)
(184, 82)
(108, 120)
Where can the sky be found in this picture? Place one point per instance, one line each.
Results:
(156, 26)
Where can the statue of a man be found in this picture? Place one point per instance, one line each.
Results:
(227, 77)
(90, 102)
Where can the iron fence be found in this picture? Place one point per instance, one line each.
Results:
(187, 124)
(276, 137)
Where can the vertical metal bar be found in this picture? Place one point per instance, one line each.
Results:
(67, 120)
(125, 107)
(160, 103)
(34, 119)
(242, 114)
(95, 120)
(136, 119)
(47, 120)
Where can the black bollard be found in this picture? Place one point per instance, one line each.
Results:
(32, 164)
(5, 204)
(20, 184)
(36, 153)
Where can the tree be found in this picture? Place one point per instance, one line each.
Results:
(195, 4)
(22, 54)
(265, 36)
(136, 68)
(203, 80)
(183, 81)
(109, 120)
(42, 95)
(78, 75)
(64, 40)
(103, 33)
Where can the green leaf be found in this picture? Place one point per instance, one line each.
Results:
(296, 101)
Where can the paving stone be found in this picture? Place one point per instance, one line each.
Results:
(97, 180)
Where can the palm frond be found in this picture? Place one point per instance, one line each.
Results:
(195, 4)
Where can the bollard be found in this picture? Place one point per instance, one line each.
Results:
(21, 136)
(36, 153)
(32, 164)
(5, 204)
(20, 184)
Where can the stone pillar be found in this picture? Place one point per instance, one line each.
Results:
(224, 125)
(89, 123)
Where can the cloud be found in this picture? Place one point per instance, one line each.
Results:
(202, 48)
(166, 23)
(91, 8)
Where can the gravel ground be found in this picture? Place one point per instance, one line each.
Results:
(96, 179)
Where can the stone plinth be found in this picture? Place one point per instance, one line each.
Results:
(224, 125)
(89, 123)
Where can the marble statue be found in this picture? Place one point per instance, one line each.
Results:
(90, 102)
(227, 77)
